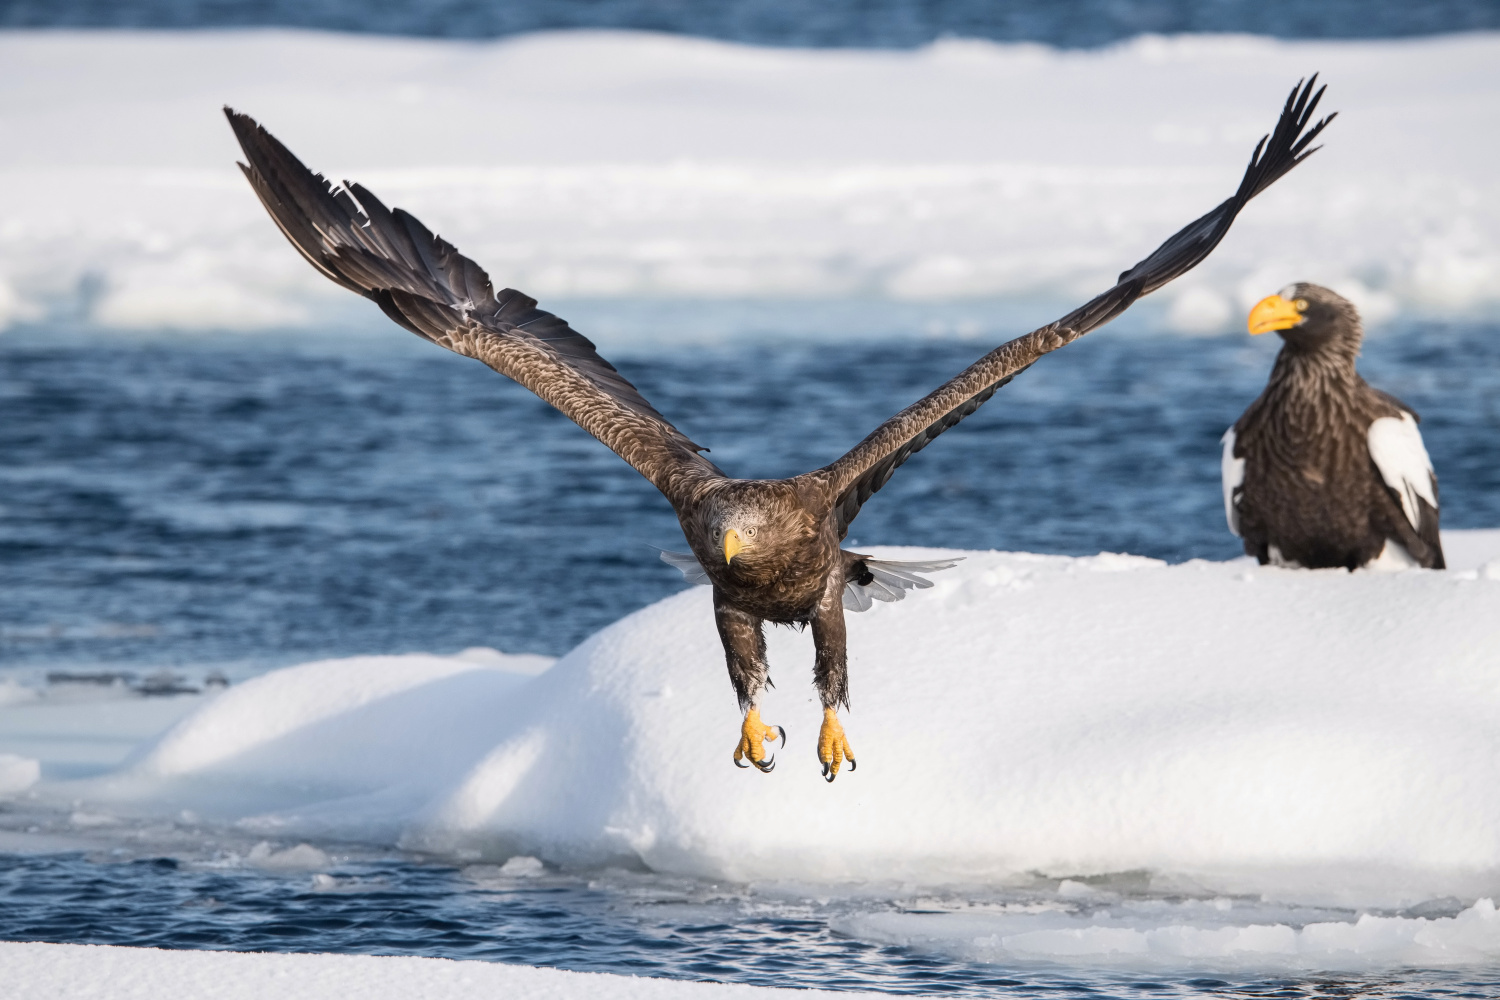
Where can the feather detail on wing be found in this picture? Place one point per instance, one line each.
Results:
(424, 284)
(1397, 450)
(1232, 475)
(856, 476)
(889, 580)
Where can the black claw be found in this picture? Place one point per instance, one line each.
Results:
(783, 736)
(738, 764)
(766, 766)
(852, 765)
(829, 777)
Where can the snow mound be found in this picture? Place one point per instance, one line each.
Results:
(703, 170)
(1259, 730)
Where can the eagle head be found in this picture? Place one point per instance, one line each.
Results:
(1307, 316)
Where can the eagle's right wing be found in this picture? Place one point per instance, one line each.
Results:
(424, 284)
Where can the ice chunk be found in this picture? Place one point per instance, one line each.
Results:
(301, 857)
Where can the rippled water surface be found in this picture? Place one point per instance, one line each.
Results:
(179, 502)
(613, 921)
(878, 23)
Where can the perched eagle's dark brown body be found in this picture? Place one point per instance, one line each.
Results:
(1322, 470)
(770, 548)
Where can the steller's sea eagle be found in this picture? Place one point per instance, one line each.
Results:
(770, 548)
(1323, 470)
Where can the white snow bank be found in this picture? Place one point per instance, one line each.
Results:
(1323, 735)
(106, 973)
(619, 165)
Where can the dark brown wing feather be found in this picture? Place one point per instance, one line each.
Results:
(854, 478)
(424, 284)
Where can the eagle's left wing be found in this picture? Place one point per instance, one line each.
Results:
(854, 478)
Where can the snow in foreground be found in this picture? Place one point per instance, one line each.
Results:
(58, 970)
(624, 165)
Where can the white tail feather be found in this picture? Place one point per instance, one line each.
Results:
(687, 564)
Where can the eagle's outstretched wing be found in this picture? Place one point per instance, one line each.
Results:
(855, 477)
(427, 286)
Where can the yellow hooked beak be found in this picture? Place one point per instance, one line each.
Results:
(1274, 313)
(732, 545)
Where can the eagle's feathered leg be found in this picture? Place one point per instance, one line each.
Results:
(831, 676)
(745, 650)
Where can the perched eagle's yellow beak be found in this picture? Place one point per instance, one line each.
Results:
(732, 545)
(1274, 313)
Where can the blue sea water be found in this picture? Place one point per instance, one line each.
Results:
(177, 501)
(827, 23)
(614, 921)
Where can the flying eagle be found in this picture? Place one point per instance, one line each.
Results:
(770, 547)
(1323, 470)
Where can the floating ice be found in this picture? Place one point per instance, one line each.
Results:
(617, 165)
(1211, 933)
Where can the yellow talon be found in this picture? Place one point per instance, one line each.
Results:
(752, 735)
(833, 745)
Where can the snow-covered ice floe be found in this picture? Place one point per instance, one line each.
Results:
(619, 165)
(57, 970)
(1248, 729)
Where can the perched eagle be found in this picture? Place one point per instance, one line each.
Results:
(770, 548)
(1323, 470)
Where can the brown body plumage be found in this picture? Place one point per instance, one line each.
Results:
(770, 548)
(1306, 484)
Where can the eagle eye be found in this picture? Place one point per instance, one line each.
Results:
(750, 532)
(1301, 305)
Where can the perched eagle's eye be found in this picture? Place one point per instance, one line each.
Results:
(750, 532)
(1301, 305)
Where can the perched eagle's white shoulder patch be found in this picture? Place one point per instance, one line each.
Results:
(1232, 472)
(1396, 446)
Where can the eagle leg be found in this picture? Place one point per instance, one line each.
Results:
(753, 734)
(831, 676)
(833, 745)
(745, 651)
